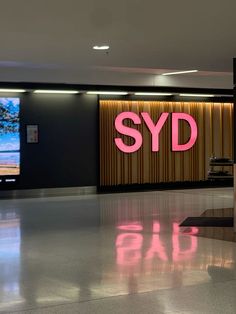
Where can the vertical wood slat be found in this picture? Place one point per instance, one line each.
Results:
(215, 125)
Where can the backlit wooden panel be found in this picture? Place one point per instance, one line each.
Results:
(215, 128)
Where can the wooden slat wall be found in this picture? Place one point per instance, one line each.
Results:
(215, 131)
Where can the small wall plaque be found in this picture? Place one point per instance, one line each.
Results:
(32, 134)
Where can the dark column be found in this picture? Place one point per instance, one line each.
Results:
(234, 144)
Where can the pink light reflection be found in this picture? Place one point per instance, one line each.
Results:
(156, 227)
(128, 248)
(157, 248)
(179, 254)
(131, 227)
(191, 230)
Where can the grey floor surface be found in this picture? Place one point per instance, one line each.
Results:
(114, 253)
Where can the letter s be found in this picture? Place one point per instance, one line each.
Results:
(122, 129)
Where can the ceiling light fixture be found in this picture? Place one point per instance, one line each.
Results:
(6, 90)
(180, 72)
(44, 91)
(106, 93)
(224, 95)
(196, 95)
(104, 47)
(152, 94)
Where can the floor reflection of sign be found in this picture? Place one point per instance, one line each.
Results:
(131, 248)
(32, 133)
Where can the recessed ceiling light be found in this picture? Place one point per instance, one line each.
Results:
(153, 94)
(104, 47)
(44, 91)
(180, 72)
(196, 95)
(6, 90)
(106, 93)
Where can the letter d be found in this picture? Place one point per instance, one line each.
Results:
(176, 147)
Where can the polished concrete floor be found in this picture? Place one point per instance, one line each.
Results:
(219, 232)
(120, 253)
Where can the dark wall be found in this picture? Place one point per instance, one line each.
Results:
(234, 110)
(68, 147)
(67, 154)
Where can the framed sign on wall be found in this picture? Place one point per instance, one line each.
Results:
(32, 134)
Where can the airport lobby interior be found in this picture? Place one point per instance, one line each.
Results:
(117, 157)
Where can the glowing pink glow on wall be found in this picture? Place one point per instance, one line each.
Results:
(175, 132)
(125, 130)
(154, 129)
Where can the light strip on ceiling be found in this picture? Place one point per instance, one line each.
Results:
(153, 94)
(44, 91)
(106, 93)
(196, 95)
(224, 95)
(180, 72)
(6, 90)
(104, 47)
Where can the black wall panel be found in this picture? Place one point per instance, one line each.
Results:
(67, 152)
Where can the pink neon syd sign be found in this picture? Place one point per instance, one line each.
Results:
(154, 129)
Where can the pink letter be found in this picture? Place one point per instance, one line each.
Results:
(175, 131)
(155, 129)
(125, 130)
